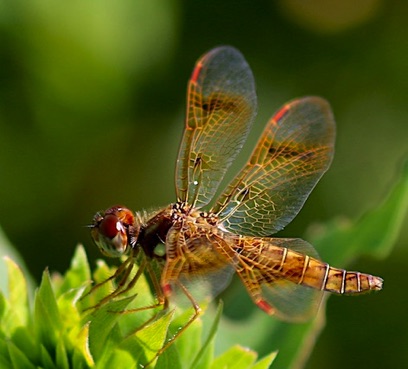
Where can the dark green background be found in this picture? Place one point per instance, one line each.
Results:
(92, 99)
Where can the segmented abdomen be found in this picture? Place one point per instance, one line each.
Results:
(275, 261)
(308, 271)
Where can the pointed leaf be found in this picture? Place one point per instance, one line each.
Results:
(205, 355)
(146, 342)
(25, 341)
(18, 358)
(236, 357)
(18, 312)
(4, 353)
(102, 322)
(169, 359)
(78, 273)
(82, 344)
(266, 362)
(121, 359)
(6, 249)
(93, 296)
(62, 361)
(189, 342)
(46, 360)
(47, 322)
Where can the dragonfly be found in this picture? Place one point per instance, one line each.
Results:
(200, 239)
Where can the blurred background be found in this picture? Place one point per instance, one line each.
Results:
(92, 101)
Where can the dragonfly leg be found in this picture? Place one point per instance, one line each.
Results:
(123, 272)
(196, 314)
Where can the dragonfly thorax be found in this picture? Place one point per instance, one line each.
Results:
(182, 212)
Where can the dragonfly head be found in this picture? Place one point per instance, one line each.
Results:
(115, 231)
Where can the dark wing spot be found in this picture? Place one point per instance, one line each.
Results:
(290, 153)
(214, 104)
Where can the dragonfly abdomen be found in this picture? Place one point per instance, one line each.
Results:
(275, 261)
(345, 282)
(308, 271)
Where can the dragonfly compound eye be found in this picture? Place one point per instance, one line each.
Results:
(110, 235)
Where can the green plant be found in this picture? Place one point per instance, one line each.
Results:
(60, 332)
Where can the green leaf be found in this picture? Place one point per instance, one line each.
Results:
(189, 341)
(374, 233)
(236, 357)
(205, 355)
(82, 347)
(266, 362)
(3, 306)
(120, 359)
(169, 359)
(18, 358)
(146, 342)
(47, 322)
(46, 360)
(70, 316)
(6, 249)
(24, 339)
(5, 361)
(62, 361)
(78, 273)
(102, 287)
(17, 313)
(102, 322)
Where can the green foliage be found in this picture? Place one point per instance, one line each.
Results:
(373, 234)
(62, 331)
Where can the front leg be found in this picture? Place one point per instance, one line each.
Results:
(175, 259)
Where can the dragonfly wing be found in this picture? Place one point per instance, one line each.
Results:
(193, 259)
(205, 287)
(271, 285)
(220, 110)
(292, 302)
(294, 151)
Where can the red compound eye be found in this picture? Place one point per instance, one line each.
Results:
(112, 230)
(108, 227)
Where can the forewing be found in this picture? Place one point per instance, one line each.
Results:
(261, 273)
(220, 109)
(292, 154)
